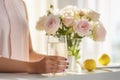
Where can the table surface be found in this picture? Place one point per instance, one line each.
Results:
(105, 74)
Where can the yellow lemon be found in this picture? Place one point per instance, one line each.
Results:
(104, 59)
(89, 64)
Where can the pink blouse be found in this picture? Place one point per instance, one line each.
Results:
(14, 33)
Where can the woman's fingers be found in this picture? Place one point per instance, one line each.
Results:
(55, 69)
(57, 61)
(65, 63)
(57, 58)
(49, 64)
(56, 64)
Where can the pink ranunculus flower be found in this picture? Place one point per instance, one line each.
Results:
(99, 32)
(52, 24)
(40, 24)
(82, 28)
(68, 14)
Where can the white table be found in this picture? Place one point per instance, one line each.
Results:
(97, 75)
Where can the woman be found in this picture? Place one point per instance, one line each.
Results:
(16, 53)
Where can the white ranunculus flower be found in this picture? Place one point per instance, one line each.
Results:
(69, 9)
(52, 24)
(68, 15)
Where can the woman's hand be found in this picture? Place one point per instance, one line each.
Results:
(48, 64)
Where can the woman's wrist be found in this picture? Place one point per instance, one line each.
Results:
(32, 68)
(26, 67)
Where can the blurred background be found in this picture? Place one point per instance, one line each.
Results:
(109, 15)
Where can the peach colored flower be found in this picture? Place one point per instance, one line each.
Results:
(82, 12)
(82, 28)
(99, 32)
(41, 23)
(92, 15)
(52, 24)
(67, 21)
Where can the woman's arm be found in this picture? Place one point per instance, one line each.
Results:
(9, 65)
(48, 64)
(37, 64)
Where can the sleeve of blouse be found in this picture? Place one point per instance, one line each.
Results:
(25, 10)
(30, 42)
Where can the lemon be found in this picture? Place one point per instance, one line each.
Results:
(89, 64)
(104, 59)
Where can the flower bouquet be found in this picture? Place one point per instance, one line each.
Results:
(75, 24)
